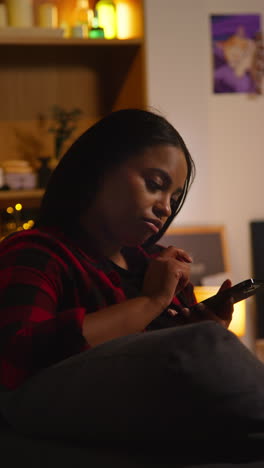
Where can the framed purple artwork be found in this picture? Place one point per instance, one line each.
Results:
(237, 53)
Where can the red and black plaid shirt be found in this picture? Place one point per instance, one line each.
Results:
(47, 284)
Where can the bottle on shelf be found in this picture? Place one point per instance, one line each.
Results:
(106, 11)
(96, 32)
(20, 13)
(3, 15)
(80, 19)
(48, 15)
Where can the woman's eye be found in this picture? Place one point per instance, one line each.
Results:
(152, 185)
(174, 203)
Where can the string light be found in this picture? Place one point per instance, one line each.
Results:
(17, 224)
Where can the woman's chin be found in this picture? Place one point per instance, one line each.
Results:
(137, 240)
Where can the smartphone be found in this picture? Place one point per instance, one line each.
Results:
(238, 292)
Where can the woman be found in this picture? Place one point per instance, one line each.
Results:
(78, 290)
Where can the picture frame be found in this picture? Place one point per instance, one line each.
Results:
(207, 246)
(237, 53)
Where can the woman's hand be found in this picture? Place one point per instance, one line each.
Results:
(167, 274)
(199, 312)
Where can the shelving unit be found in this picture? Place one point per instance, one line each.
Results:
(29, 198)
(36, 73)
(61, 41)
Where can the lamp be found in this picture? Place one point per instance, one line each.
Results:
(106, 12)
(238, 322)
(124, 17)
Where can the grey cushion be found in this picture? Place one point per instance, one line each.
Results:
(192, 382)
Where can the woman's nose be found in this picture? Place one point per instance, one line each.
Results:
(162, 208)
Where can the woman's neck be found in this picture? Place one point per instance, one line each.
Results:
(104, 245)
(119, 260)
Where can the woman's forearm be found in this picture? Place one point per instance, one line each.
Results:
(128, 317)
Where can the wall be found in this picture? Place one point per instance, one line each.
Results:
(223, 132)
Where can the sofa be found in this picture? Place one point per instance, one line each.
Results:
(217, 421)
(22, 451)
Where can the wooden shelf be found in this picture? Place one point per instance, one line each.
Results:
(28, 198)
(60, 41)
(39, 70)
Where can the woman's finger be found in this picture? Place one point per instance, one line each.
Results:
(226, 284)
(172, 312)
(176, 253)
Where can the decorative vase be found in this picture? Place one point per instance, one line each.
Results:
(20, 13)
(44, 172)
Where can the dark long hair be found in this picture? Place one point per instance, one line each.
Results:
(108, 143)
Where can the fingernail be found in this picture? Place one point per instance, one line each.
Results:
(173, 312)
(189, 258)
(200, 307)
(186, 311)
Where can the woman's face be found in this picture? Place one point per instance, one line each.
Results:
(134, 200)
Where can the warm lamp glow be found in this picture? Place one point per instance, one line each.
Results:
(238, 323)
(107, 17)
(129, 19)
(124, 20)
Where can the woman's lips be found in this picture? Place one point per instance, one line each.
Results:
(151, 225)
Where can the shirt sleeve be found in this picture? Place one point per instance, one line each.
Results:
(187, 297)
(34, 332)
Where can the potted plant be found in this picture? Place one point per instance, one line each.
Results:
(63, 127)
